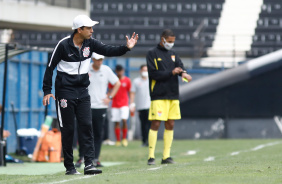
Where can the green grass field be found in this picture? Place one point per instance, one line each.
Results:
(214, 161)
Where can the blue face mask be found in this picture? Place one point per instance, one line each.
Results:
(167, 45)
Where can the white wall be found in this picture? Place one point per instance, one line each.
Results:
(236, 27)
(37, 17)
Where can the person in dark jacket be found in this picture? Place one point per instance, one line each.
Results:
(72, 56)
(164, 67)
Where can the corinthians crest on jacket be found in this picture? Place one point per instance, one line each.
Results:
(86, 52)
(63, 103)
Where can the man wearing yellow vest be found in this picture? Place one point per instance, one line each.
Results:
(164, 67)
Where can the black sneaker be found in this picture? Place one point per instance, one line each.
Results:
(151, 161)
(144, 145)
(90, 169)
(98, 164)
(72, 172)
(79, 162)
(168, 161)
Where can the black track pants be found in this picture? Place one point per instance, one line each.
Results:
(106, 128)
(67, 110)
(145, 124)
(98, 119)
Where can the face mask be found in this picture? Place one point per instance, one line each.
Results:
(144, 74)
(168, 46)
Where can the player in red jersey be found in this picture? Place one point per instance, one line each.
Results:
(120, 109)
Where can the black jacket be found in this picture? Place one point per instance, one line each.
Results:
(161, 62)
(73, 65)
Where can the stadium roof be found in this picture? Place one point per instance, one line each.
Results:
(229, 77)
(15, 49)
(11, 53)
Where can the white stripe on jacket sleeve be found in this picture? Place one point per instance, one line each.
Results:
(56, 49)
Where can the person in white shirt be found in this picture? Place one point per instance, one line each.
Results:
(140, 90)
(100, 76)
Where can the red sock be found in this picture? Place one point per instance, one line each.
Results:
(117, 132)
(124, 133)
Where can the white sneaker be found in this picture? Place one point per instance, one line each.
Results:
(108, 142)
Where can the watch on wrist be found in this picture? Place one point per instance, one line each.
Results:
(110, 97)
(184, 71)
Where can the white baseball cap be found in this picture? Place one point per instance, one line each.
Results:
(82, 20)
(97, 56)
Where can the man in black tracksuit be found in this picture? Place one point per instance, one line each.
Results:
(72, 57)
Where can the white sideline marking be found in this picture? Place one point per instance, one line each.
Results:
(235, 153)
(191, 152)
(255, 148)
(156, 168)
(238, 152)
(258, 147)
(265, 145)
(121, 172)
(209, 159)
(64, 181)
(244, 151)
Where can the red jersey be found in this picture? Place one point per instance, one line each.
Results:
(121, 98)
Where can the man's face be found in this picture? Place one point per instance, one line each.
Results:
(86, 32)
(97, 63)
(170, 39)
(144, 69)
(120, 73)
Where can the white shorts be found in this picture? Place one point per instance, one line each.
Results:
(120, 113)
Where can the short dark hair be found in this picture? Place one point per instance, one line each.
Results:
(166, 33)
(75, 31)
(142, 66)
(119, 67)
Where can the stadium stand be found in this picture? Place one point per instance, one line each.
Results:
(148, 18)
(268, 33)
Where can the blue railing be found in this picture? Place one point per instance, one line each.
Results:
(24, 90)
(25, 73)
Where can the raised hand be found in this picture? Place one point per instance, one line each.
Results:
(130, 43)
